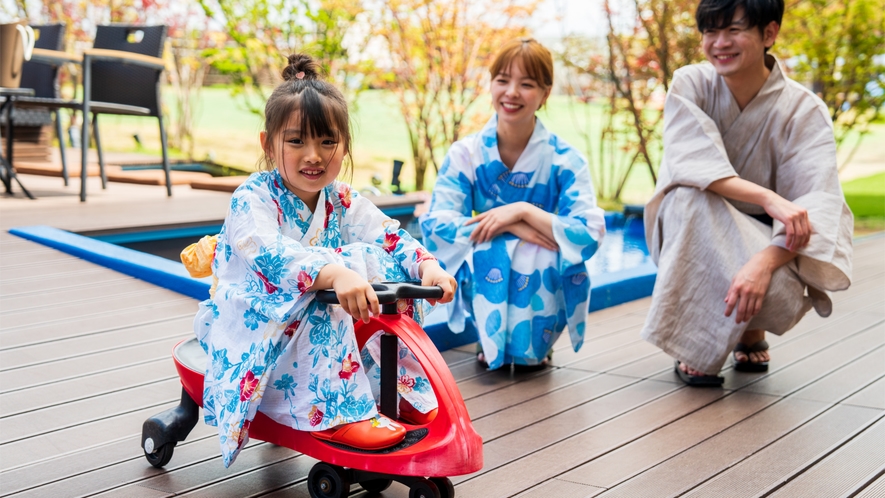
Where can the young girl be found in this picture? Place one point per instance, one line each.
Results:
(291, 230)
(520, 260)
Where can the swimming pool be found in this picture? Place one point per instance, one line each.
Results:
(621, 270)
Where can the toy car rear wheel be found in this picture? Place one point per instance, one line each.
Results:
(160, 457)
(328, 481)
(446, 488)
(376, 485)
(424, 489)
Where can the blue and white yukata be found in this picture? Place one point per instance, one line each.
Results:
(517, 294)
(272, 346)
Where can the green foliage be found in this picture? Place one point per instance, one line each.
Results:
(866, 196)
(831, 45)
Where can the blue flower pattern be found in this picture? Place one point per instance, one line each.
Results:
(519, 296)
(263, 328)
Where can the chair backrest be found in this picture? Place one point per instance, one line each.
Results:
(40, 76)
(127, 83)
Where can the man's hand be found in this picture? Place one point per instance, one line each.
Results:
(794, 218)
(748, 288)
(432, 274)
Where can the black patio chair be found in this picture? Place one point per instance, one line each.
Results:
(121, 75)
(41, 74)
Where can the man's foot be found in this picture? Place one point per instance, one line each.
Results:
(751, 358)
(751, 352)
(373, 434)
(696, 378)
(411, 415)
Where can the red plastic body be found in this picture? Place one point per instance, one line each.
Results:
(451, 447)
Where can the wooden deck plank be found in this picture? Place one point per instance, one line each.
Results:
(17, 357)
(788, 456)
(86, 411)
(875, 489)
(553, 445)
(682, 472)
(72, 311)
(47, 270)
(632, 459)
(849, 378)
(107, 361)
(872, 396)
(72, 280)
(98, 323)
(83, 296)
(85, 387)
(852, 464)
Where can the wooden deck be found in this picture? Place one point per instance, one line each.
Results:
(85, 359)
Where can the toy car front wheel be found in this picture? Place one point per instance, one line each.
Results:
(376, 485)
(424, 489)
(328, 481)
(446, 488)
(160, 457)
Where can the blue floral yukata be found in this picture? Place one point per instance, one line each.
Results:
(518, 295)
(272, 346)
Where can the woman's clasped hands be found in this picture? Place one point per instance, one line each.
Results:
(508, 218)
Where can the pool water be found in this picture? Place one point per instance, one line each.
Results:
(623, 246)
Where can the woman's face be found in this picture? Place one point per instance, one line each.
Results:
(307, 164)
(516, 96)
(736, 48)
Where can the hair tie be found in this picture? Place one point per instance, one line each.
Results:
(300, 75)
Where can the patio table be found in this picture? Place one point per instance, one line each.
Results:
(7, 173)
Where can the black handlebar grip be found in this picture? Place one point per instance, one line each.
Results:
(390, 292)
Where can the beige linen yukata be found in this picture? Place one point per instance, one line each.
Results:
(783, 141)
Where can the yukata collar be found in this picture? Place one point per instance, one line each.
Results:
(489, 136)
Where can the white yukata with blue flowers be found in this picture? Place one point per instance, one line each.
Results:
(520, 296)
(272, 346)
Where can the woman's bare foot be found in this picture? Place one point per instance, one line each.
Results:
(690, 371)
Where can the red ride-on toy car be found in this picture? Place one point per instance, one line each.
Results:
(446, 446)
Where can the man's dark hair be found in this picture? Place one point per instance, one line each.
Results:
(718, 14)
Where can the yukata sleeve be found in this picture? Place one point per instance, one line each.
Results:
(380, 230)
(578, 224)
(694, 153)
(443, 226)
(807, 175)
(280, 269)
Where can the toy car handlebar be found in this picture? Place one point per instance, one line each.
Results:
(390, 292)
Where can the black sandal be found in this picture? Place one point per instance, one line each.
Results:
(480, 357)
(750, 366)
(699, 380)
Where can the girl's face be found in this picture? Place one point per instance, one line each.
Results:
(516, 96)
(307, 164)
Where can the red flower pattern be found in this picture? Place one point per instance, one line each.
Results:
(348, 367)
(304, 281)
(247, 386)
(405, 384)
(244, 431)
(329, 209)
(344, 193)
(391, 240)
(316, 416)
(271, 288)
(290, 330)
(279, 213)
(423, 255)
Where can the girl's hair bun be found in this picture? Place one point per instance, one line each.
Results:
(301, 67)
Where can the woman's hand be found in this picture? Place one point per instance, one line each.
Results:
(355, 294)
(748, 288)
(527, 233)
(432, 274)
(794, 218)
(495, 221)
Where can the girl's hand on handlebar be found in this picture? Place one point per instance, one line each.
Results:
(355, 294)
(432, 274)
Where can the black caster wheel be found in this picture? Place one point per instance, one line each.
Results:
(446, 488)
(424, 489)
(376, 485)
(160, 457)
(328, 481)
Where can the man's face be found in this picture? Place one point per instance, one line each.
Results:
(738, 48)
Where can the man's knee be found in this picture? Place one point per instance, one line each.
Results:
(686, 202)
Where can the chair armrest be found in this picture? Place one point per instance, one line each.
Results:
(55, 57)
(124, 57)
